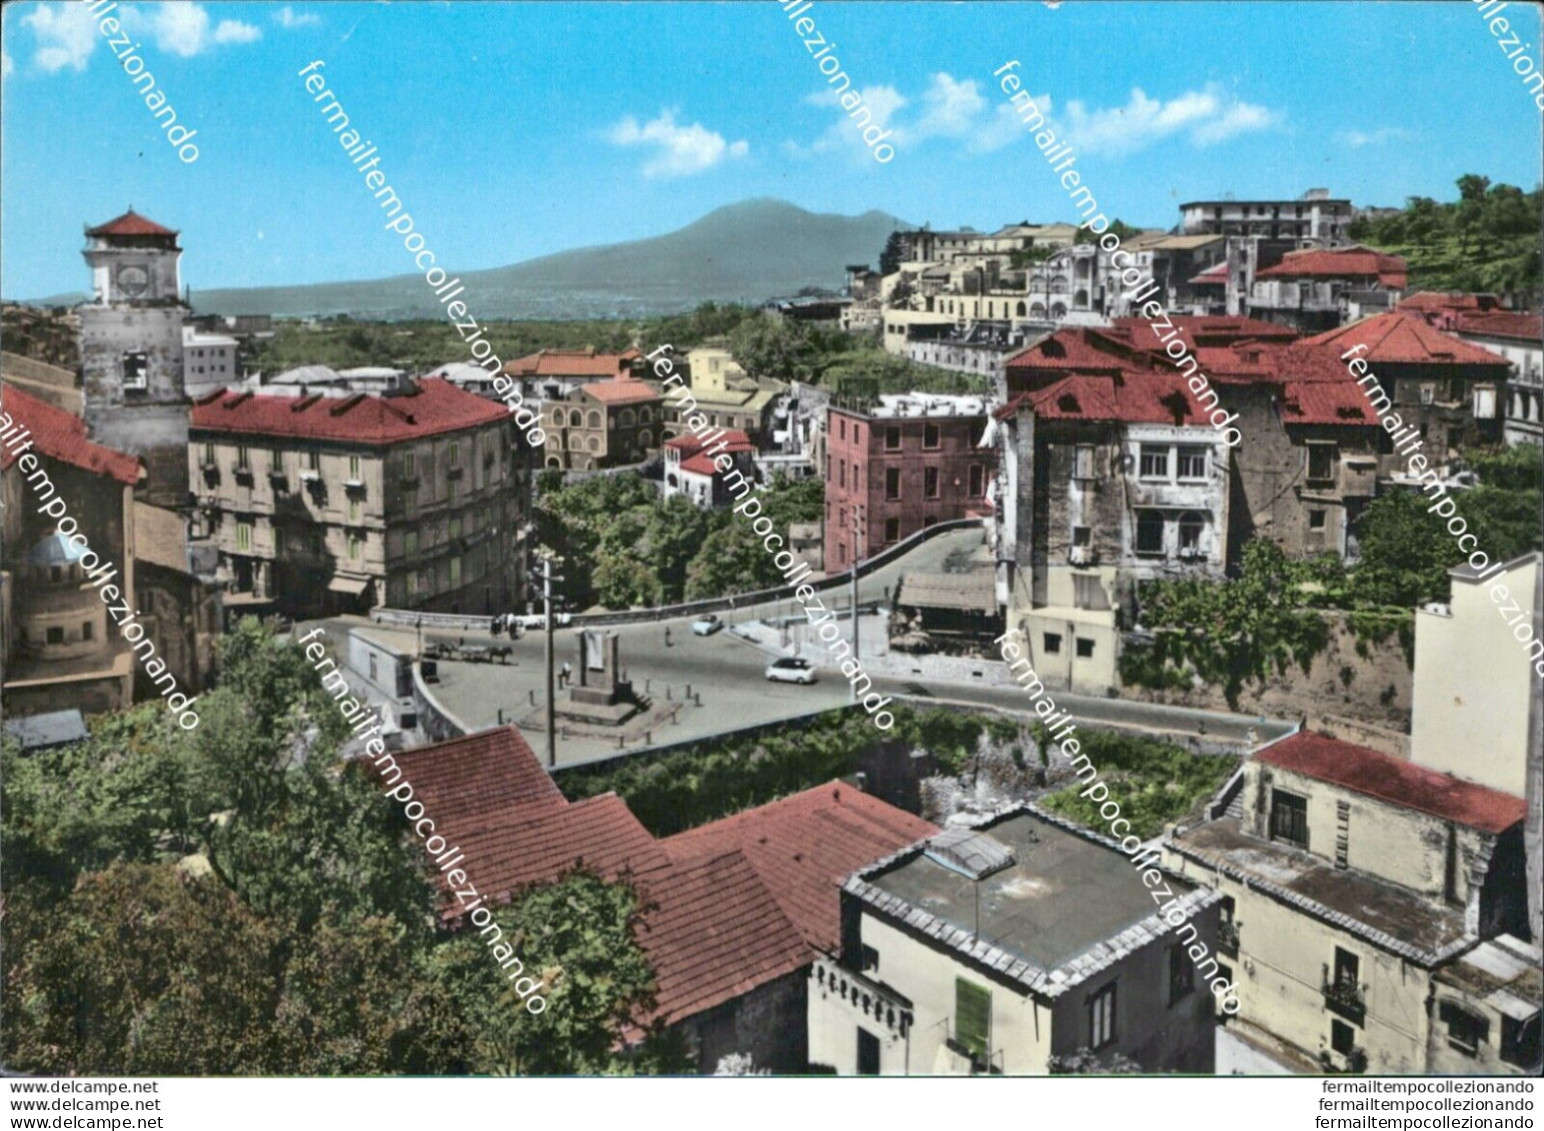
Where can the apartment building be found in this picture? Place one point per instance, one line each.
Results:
(208, 361)
(332, 501)
(551, 374)
(898, 465)
(602, 425)
(1314, 219)
(1314, 289)
(1006, 945)
(1106, 480)
(1352, 878)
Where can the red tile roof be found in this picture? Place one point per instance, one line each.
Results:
(734, 440)
(131, 223)
(525, 845)
(626, 390)
(803, 847)
(737, 903)
(1395, 781)
(1203, 331)
(464, 780)
(58, 435)
(1326, 402)
(1404, 338)
(1216, 275)
(437, 406)
(1450, 300)
(1080, 350)
(571, 363)
(1141, 398)
(716, 933)
(1501, 324)
(1342, 262)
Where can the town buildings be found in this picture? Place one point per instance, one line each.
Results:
(335, 501)
(1005, 945)
(209, 361)
(131, 351)
(1353, 879)
(690, 469)
(1316, 289)
(897, 466)
(551, 374)
(1516, 336)
(738, 910)
(60, 649)
(725, 395)
(1107, 479)
(602, 425)
(1314, 219)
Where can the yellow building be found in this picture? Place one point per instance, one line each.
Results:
(1353, 877)
(1008, 946)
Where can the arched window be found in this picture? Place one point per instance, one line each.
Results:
(575, 420)
(555, 463)
(1037, 310)
(671, 481)
(1081, 298)
(1058, 310)
(645, 438)
(594, 419)
(595, 443)
(557, 418)
(1021, 310)
(576, 443)
(645, 415)
(1190, 526)
(628, 418)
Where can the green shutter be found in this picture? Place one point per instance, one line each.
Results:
(972, 1016)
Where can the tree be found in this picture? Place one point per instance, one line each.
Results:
(577, 938)
(890, 257)
(773, 347)
(732, 560)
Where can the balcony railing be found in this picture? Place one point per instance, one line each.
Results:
(1346, 998)
(1227, 937)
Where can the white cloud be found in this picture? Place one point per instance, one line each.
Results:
(7, 67)
(844, 134)
(950, 107)
(679, 151)
(66, 36)
(1356, 139)
(287, 17)
(184, 28)
(1204, 116)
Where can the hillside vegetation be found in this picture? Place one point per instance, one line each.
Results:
(1487, 240)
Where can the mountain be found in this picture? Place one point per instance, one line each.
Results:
(750, 251)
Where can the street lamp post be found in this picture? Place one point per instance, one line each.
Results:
(857, 555)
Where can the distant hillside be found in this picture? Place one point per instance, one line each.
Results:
(1487, 240)
(751, 251)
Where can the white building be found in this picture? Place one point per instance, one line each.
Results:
(208, 361)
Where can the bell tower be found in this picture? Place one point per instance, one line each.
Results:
(131, 351)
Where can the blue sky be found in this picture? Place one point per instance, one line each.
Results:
(511, 131)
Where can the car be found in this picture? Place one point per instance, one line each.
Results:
(791, 669)
(706, 626)
(534, 622)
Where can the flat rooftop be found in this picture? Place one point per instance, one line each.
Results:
(1063, 896)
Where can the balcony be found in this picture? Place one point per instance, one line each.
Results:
(244, 474)
(1227, 937)
(1352, 1062)
(279, 479)
(454, 472)
(1345, 997)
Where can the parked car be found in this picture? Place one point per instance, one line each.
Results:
(791, 669)
(707, 626)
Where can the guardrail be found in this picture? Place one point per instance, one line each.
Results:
(408, 618)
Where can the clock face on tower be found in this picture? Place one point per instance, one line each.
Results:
(133, 281)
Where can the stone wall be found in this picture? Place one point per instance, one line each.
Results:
(1372, 689)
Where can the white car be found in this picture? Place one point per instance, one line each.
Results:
(791, 669)
(707, 626)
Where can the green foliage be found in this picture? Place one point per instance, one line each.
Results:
(579, 935)
(1519, 468)
(1154, 782)
(1487, 240)
(624, 546)
(699, 783)
(1123, 231)
(236, 900)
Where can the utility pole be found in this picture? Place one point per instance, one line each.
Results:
(546, 602)
(857, 555)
